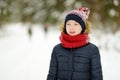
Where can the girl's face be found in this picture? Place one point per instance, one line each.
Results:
(73, 28)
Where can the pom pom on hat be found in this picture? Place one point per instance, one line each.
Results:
(82, 12)
(80, 15)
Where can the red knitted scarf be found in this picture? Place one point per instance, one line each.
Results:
(73, 41)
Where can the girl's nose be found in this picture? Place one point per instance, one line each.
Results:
(71, 27)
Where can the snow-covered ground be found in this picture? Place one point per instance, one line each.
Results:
(27, 58)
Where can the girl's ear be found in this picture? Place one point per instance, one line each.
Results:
(88, 26)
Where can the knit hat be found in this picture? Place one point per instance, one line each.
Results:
(80, 15)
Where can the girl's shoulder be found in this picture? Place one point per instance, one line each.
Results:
(93, 49)
(57, 47)
(90, 49)
(92, 46)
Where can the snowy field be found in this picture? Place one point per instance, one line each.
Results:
(27, 58)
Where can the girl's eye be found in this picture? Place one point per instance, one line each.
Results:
(76, 24)
(68, 24)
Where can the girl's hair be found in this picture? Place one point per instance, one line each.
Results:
(87, 30)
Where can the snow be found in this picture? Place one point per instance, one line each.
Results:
(27, 58)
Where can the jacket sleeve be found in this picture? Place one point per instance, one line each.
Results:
(52, 75)
(96, 68)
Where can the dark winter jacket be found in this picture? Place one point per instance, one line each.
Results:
(81, 63)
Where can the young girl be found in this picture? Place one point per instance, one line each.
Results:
(75, 58)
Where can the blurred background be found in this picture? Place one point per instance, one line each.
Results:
(29, 29)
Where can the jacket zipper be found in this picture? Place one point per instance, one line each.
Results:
(72, 69)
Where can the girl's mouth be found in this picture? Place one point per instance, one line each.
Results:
(72, 32)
